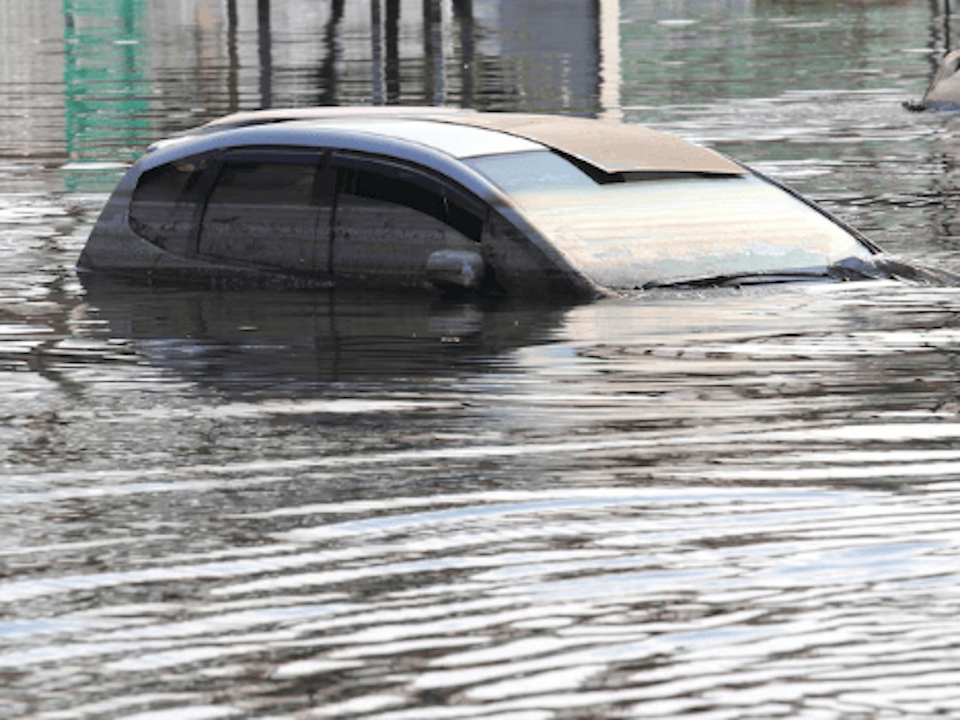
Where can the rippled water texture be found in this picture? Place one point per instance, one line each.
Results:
(714, 504)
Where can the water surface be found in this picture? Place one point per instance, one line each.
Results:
(711, 504)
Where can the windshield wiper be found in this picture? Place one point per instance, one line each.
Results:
(736, 280)
(852, 268)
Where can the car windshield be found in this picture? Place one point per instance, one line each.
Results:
(626, 235)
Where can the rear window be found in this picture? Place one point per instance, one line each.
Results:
(166, 204)
(167, 183)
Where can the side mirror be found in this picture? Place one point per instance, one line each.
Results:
(456, 270)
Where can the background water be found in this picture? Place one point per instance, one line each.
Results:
(710, 505)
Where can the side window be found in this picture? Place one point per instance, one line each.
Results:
(166, 204)
(464, 219)
(418, 192)
(252, 183)
(271, 208)
(391, 217)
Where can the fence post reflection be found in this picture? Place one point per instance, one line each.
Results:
(524, 49)
(463, 12)
(376, 52)
(265, 53)
(434, 85)
(393, 51)
(233, 58)
(244, 54)
(327, 74)
(946, 24)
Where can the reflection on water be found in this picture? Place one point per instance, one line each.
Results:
(714, 504)
(135, 70)
(734, 502)
(296, 341)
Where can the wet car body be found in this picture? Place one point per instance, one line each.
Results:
(465, 202)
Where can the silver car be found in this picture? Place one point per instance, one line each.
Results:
(464, 202)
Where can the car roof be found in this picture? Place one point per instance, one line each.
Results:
(610, 146)
(607, 146)
(455, 139)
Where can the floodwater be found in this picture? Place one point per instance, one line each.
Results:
(310, 505)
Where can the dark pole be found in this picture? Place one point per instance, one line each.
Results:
(393, 51)
(266, 58)
(433, 52)
(376, 51)
(233, 58)
(463, 9)
(946, 24)
(328, 69)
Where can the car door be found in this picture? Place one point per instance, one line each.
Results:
(391, 216)
(271, 208)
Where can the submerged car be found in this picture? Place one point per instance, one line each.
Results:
(461, 201)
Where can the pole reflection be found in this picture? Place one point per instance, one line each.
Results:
(250, 54)
(264, 43)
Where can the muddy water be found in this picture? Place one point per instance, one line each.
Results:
(713, 504)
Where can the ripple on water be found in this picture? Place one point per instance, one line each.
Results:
(646, 601)
(692, 505)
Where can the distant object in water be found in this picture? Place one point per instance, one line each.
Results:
(944, 90)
